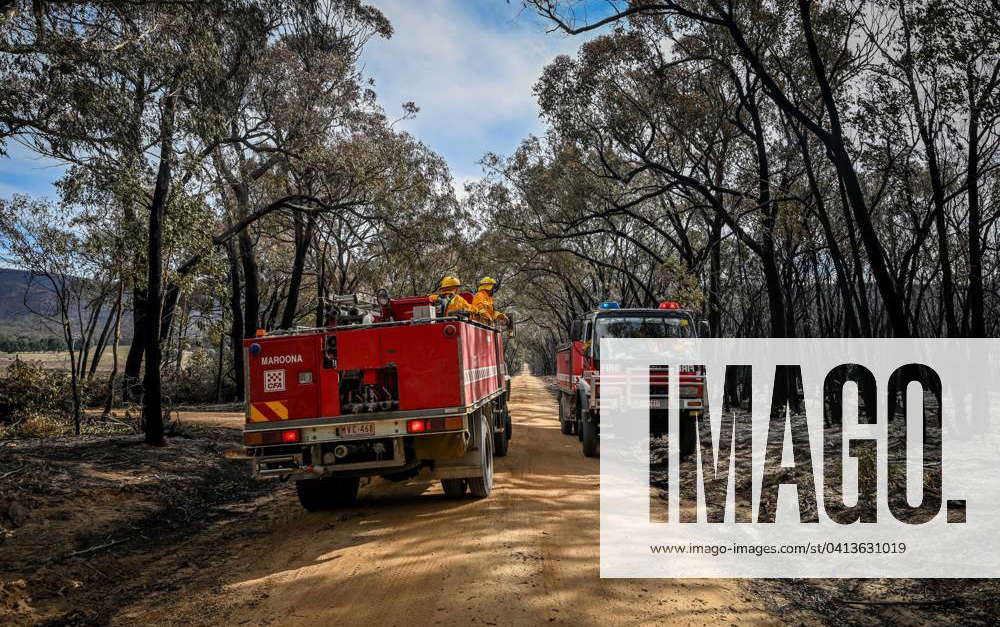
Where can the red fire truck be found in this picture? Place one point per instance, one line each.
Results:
(578, 371)
(387, 389)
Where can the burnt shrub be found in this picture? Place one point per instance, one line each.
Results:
(195, 382)
(28, 390)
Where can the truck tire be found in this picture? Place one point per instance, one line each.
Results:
(588, 436)
(481, 486)
(454, 488)
(686, 441)
(328, 493)
(564, 423)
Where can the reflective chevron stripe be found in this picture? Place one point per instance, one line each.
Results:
(268, 412)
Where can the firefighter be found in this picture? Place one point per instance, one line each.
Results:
(482, 304)
(447, 299)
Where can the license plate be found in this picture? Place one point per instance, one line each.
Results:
(364, 428)
(657, 403)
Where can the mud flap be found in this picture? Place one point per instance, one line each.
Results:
(444, 446)
(466, 465)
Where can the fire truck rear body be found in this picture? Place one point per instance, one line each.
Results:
(387, 397)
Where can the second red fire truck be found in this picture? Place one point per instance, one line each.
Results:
(578, 371)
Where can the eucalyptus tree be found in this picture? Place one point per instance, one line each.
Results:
(141, 94)
(676, 131)
(67, 287)
(801, 53)
(303, 96)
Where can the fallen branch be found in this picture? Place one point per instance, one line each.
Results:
(16, 470)
(101, 573)
(94, 549)
(903, 602)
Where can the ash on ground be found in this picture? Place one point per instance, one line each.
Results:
(875, 601)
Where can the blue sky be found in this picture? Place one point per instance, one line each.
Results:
(468, 64)
(24, 172)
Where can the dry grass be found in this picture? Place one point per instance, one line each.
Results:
(60, 360)
(39, 427)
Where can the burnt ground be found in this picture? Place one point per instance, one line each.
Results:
(103, 529)
(876, 601)
(90, 525)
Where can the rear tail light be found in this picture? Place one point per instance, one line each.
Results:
(426, 425)
(266, 438)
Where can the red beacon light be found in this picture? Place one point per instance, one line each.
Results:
(669, 304)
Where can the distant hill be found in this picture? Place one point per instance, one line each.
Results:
(17, 303)
(13, 286)
(18, 325)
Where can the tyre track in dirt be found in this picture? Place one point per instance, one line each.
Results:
(406, 555)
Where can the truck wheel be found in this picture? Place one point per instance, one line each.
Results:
(510, 425)
(319, 494)
(564, 424)
(454, 488)
(480, 486)
(686, 442)
(312, 494)
(588, 435)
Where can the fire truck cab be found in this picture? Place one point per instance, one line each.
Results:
(578, 371)
(386, 389)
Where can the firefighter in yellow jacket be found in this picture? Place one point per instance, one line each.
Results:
(482, 303)
(447, 299)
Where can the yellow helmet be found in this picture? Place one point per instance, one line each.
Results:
(450, 281)
(488, 283)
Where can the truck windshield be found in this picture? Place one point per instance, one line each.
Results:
(640, 326)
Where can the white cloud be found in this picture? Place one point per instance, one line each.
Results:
(468, 64)
(470, 67)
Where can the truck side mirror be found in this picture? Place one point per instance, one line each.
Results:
(576, 331)
(704, 329)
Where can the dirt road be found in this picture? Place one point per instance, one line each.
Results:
(405, 555)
